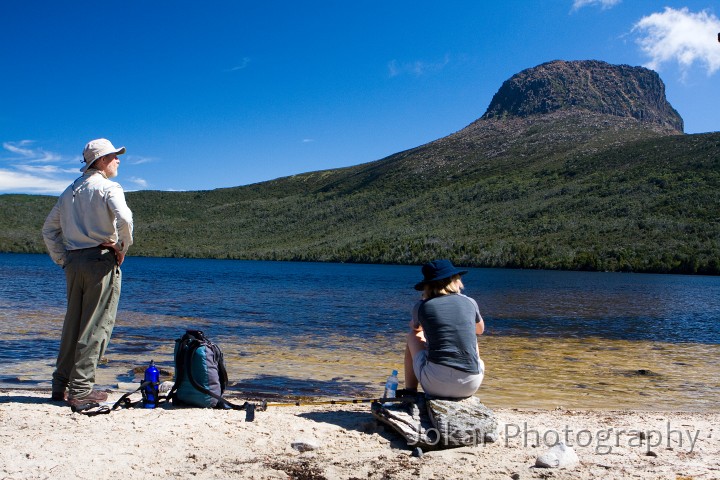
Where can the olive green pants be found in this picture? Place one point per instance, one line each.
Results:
(93, 291)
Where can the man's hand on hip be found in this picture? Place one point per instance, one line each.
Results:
(119, 255)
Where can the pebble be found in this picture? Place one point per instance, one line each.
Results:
(305, 445)
(558, 456)
(417, 452)
(166, 386)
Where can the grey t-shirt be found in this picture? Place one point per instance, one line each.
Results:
(449, 325)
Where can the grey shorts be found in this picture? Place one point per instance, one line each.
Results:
(443, 381)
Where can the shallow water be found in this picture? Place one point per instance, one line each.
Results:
(571, 339)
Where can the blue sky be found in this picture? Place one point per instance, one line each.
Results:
(218, 94)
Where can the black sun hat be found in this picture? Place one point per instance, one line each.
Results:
(438, 270)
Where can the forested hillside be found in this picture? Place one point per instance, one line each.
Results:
(550, 178)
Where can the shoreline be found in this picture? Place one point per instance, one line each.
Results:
(40, 438)
(42, 251)
(588, 373)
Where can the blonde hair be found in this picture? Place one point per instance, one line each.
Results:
(442, 287)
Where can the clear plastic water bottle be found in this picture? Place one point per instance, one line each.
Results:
(152, 374)
(391, 385)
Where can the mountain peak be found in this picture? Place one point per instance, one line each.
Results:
(589, 85)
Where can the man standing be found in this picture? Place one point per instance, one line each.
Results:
(87, 233)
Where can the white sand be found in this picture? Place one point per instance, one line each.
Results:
(43, 439)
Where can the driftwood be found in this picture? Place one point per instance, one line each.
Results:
(434, 424)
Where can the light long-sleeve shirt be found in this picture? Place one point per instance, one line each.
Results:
(90, 212)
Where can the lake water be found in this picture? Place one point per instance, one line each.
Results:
(571, 339)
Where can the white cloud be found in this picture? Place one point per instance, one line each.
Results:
(20, 182)
(17, 147)
(135, 160)
(140, 182)
(605, 4)
(21, 150)
(34, 170)
(417, 68)
(242, 65)
(44, 169)
(30, 169)
(680, 36)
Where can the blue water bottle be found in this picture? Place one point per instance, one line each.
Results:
(152, 374)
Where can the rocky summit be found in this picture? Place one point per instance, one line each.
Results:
(589, 85)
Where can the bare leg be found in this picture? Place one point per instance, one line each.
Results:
(411, 381)
(415, 343)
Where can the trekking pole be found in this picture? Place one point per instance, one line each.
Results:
(301, 403)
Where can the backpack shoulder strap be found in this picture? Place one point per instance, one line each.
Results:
(92, 409)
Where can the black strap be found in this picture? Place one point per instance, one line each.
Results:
(124, 401)
(179, 369)
(184, 343)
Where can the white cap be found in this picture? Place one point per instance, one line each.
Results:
(96, 149)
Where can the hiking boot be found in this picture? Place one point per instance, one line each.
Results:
(95, 396)
(406, 392)
(59, 396)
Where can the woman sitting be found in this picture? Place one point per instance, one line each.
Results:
(442, 349)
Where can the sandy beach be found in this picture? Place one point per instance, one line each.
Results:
(44, 439)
